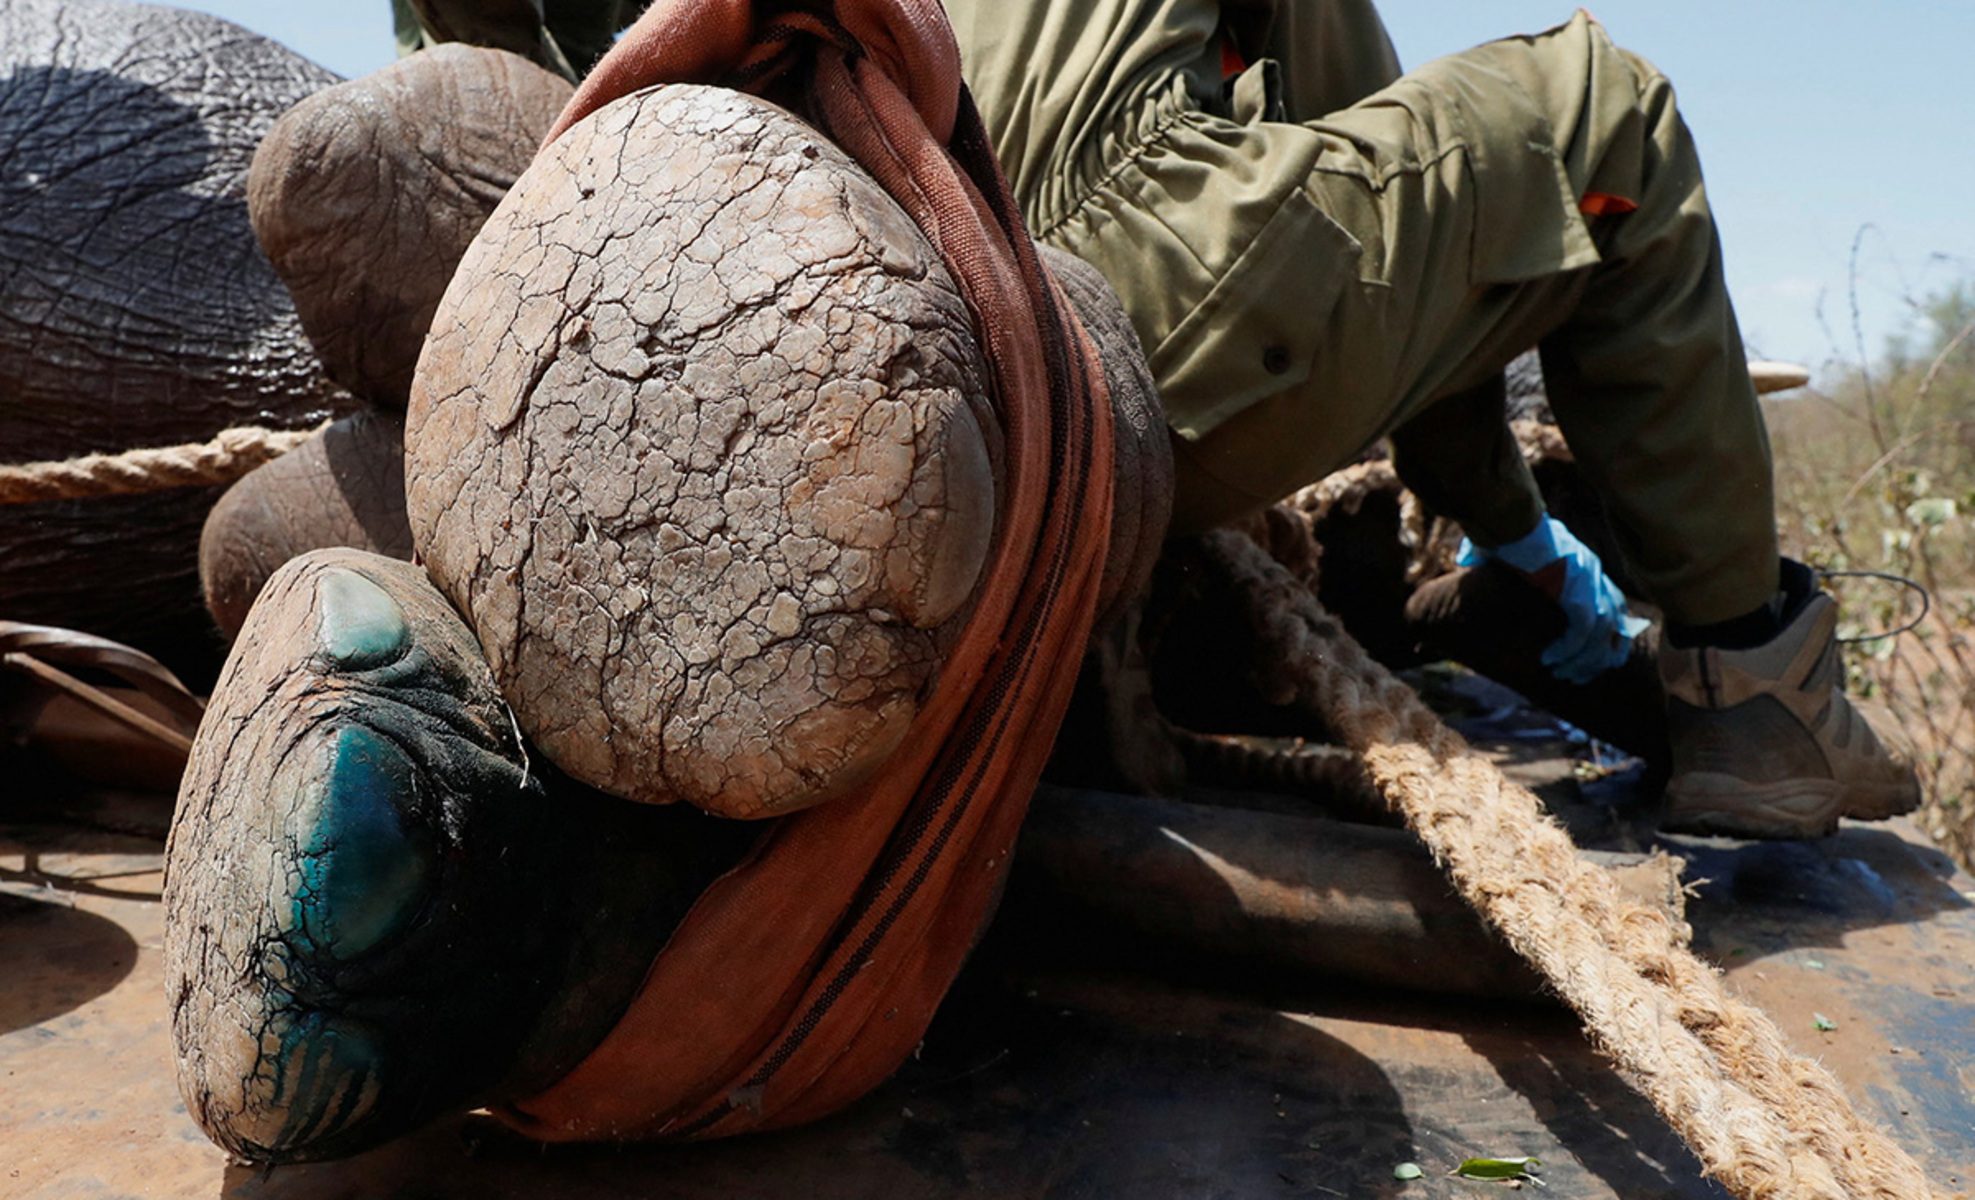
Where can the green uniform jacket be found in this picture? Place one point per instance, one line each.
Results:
(1318, 252)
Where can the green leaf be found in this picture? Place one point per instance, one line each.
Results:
(1405, 1171)
(1497, 1168)
(1822, 1023)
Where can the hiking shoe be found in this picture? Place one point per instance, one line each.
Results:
(1765, 744)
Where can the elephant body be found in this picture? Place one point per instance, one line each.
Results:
(137, 308)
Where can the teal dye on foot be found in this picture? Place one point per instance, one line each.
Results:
(363, 876)
(362, 627)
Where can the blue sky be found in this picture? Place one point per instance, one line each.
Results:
(1815, 118)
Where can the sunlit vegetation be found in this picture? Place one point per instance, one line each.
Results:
(1876, 472)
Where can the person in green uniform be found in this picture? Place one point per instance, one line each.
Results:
(566, 36)
(1318, 251)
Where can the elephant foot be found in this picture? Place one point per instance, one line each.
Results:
(366, 194)
(377, 908)
(343, 487)
(701, 447)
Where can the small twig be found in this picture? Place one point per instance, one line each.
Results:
(1811, 394)
(1900, 447)
(1940, 360)
(1858, 338)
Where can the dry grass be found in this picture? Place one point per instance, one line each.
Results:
(1877, 473)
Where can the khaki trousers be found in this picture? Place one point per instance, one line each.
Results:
(1316, 253)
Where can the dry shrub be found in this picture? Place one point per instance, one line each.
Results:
(1877, 473)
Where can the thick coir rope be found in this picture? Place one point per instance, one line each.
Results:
(804, 977)
(230, 454)
(1769, 1124)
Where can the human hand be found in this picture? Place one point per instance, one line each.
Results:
(1599, 630)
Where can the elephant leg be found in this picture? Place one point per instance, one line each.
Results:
(365, 196)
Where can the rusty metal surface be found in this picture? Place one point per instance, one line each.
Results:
(1042, 1079)
(1190, 890)
(1060, 1085)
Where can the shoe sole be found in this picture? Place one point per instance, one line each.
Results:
(1724, 806)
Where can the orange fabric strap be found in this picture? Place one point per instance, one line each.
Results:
(801, 979)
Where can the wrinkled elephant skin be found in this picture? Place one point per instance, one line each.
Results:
(700, 446)
(366, 194)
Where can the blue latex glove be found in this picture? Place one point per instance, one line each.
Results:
(1599, 632)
